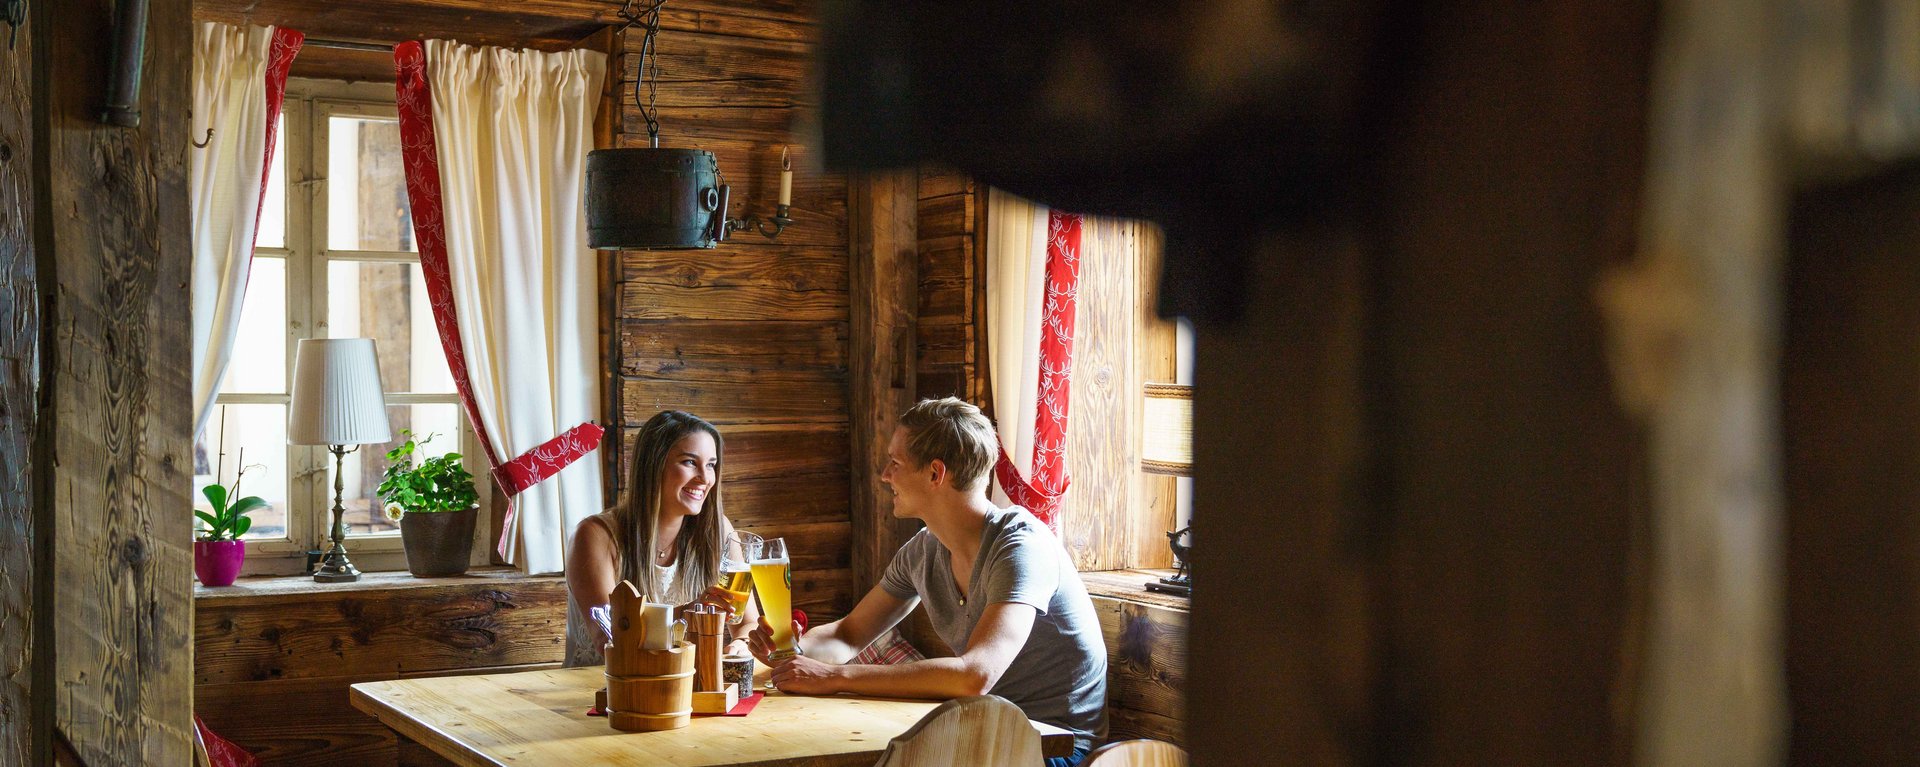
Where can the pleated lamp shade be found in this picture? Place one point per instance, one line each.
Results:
(337, 398)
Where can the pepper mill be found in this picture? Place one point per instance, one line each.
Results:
(704, 624)
(711, 693)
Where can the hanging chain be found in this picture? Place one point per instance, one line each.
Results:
(647, 18)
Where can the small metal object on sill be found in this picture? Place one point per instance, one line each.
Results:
(313, 559)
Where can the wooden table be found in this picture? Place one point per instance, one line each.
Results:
(540, 718)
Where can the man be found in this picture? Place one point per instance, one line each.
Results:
(998, 587)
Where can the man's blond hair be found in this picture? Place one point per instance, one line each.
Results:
(957, 434)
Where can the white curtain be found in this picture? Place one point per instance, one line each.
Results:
(1016, 293)
(513, 129)
(229, 96)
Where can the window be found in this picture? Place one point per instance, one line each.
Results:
(1129, 420)
(335, 258)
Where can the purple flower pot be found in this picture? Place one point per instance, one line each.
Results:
(218, 562)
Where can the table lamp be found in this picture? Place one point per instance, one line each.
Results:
(337, 402)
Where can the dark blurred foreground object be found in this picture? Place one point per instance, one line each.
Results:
(1220, 119)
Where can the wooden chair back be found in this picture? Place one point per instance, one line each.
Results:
(1137, 753)
(963, 732)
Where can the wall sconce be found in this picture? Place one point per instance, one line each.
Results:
(780, 220)
(665, 199)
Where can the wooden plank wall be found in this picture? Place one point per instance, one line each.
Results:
(273, 660)
(884, 211)
(1147, 670)
(751, 335)
(115, 283)
(19, 410)
(952, 298)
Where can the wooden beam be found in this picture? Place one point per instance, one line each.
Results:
(116, 384)
(1695, 341)
(884, 250)
(1410, 435)
(25, 738)
(431, 625)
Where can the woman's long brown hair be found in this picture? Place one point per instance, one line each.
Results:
(637, 515)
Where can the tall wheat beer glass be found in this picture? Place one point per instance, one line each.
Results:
(773, 581)
(736, 570)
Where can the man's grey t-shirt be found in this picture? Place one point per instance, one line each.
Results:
(1060, 675)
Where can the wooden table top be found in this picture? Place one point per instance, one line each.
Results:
(540, 718)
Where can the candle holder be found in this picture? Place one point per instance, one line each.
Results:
(779, 223)
(780, 220)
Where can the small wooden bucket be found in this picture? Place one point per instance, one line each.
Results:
(649, 689)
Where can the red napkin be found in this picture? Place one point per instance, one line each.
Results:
(745, 706)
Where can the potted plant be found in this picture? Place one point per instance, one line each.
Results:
(218, 553)
(435, 503)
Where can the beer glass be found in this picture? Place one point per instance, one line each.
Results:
(737, 553)
(773, 581)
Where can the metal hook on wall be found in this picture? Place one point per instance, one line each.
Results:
(14, 14)
(202, 143)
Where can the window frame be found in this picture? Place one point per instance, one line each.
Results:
(306, 134)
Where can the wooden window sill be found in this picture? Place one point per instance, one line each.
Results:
(268, 587)
(1131, 586)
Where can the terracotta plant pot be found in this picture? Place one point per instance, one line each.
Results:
(438, 544)
(218, 562)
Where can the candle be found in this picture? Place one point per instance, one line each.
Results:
(786, 178)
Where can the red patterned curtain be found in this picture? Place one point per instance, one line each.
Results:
(1040, 489)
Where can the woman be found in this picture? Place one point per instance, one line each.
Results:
(666, 536)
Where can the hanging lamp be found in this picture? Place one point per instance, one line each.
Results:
(663, 199)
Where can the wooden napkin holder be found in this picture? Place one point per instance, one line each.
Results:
(646, 689)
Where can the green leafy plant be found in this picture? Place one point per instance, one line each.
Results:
(433, 485)
(228, 521)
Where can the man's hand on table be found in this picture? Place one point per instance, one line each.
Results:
(801, 675)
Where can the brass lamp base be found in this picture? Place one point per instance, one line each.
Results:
(336, 568)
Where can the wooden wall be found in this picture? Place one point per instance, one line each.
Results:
(20, 341)
(952, 306)
(751, 335)
(273, 659)
(94, 393)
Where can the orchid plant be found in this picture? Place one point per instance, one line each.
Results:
(228, 520)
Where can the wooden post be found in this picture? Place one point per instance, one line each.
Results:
(1694, 341)
(110, 464)
(23, 538)
(882, 303)
(1415, 496)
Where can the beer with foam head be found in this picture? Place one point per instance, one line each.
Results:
(773, 581)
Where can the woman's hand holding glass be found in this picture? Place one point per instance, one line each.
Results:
(737, 552)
